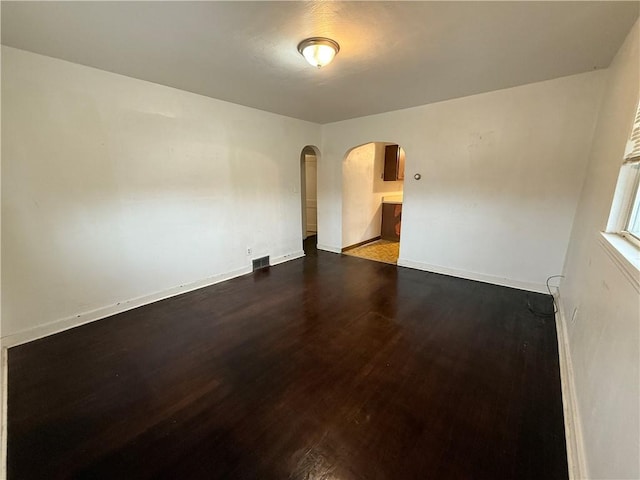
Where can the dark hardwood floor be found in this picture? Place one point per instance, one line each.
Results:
(323, 368)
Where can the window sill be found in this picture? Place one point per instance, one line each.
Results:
(624, 254)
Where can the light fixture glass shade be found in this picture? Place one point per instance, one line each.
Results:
(318, 51)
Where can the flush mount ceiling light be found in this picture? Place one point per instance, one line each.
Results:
(318, 51)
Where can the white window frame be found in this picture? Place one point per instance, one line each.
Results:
(622, 246)
(634, 207)
(626, 196)
(626, 200)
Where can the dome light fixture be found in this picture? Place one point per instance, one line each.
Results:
(318, 51)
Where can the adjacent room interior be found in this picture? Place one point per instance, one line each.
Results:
(309, 191)
(320, 240)
(372, 181)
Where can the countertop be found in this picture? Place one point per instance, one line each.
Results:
(395, 199)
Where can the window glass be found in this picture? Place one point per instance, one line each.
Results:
(633, 225)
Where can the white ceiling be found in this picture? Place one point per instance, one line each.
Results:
(393, 54)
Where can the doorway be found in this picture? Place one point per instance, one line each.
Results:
(372, 197)
(309, 195)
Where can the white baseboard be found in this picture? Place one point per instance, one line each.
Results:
(91, 316)
(60, 325)
(327, 248)
(480, 277)
(572, 425)
(287, 257)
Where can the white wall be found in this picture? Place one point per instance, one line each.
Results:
(501, 176)
(362, 192)
(115, 188)
(604, 334)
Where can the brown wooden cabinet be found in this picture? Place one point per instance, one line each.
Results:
(391, 221)
(393, 163)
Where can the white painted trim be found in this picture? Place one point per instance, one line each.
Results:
(57, 326)
(480, 277)
(287, 257)
(92, 316)
(572, 425)
(624, 255)
(3, 420)
(327, 248)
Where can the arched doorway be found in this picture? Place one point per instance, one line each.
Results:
(372, 197)
(309, 195)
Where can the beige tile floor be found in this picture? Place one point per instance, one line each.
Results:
(380, 251)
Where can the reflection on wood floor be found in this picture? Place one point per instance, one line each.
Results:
(323, 367)
(380, 250)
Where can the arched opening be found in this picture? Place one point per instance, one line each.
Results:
(372, 196)
(309, 196)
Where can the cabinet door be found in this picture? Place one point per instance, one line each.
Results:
(391, 163)
(391, 221)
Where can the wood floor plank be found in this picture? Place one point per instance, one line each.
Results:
(327, 367)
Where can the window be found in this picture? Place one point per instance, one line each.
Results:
(633, 224)
(625, 212)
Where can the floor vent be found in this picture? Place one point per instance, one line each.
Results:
(259, 263)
